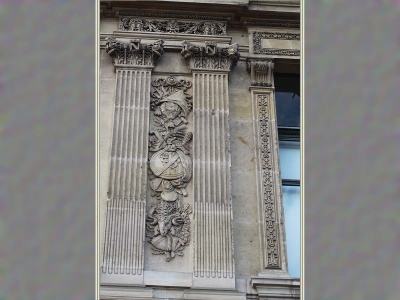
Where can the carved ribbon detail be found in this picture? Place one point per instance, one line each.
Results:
(168, 223)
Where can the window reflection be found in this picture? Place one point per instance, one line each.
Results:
(287, 96)
(291, 204)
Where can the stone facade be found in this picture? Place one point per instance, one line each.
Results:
(190, 187)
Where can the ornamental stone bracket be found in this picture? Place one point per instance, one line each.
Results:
(134, 53)
(210, 57)
(261, 72)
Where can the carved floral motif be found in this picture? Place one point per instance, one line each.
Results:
(270, 206)
(134, 52)
(211, 56)
(172, 26)
(168, 223)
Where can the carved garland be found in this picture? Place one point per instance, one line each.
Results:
(258, 36)
(168, 223)
(172, 26)
(270, 206)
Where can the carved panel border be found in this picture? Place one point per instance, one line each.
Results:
(268, 183)
(258, 36)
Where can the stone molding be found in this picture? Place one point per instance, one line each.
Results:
(261, 71)
(276, 288)
(134, 53)
(210, 57)
(172, 26)
(258, 49)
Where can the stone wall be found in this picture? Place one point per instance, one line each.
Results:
(190, 193)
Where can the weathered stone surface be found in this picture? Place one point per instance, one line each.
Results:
(190, 201)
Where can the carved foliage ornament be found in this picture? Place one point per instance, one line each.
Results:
(173, 26)
(270, 206)
(261, 72)
(211, 56)
(258, 36)
(134, 52)
(167, 222)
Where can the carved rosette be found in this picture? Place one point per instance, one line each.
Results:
(261, 72)
(167, 222)
(172, 26)
(134, 53)
(268, 186)
(210, 56)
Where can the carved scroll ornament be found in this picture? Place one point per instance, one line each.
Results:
(134, 52)
(168, 223)
(173, 26)
(210, 56)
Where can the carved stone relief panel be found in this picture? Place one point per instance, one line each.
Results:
(276, 43)
(172, 26)
(170, 164)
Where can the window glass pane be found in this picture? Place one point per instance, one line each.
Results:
(291, 204)
(289, 156)
(287, 96)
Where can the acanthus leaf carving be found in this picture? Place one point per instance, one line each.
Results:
(261, 71)
(173, 26)
(168, 222)
(134, 52)
(210, 56)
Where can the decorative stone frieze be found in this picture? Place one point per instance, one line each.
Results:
(168, 223)
(210, 56)
(172, 26)
(259, 37)
(134, 53)
(261, 72)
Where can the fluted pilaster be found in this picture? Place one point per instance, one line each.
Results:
(213, 244)
(123, 249)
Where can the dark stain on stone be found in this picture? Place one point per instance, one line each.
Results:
(242, 140)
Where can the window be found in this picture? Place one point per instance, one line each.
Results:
(287, 96)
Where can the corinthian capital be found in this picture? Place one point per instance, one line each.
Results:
(261, 71)
(210, 56)
(134, 53)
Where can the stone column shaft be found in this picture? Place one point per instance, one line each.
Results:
(212, 196)
(213, 244)
(123, 248)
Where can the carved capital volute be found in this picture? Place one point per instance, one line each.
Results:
(134, 53)
(210, 57)
(261, 71)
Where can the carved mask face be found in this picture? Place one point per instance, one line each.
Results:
(170, 110)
